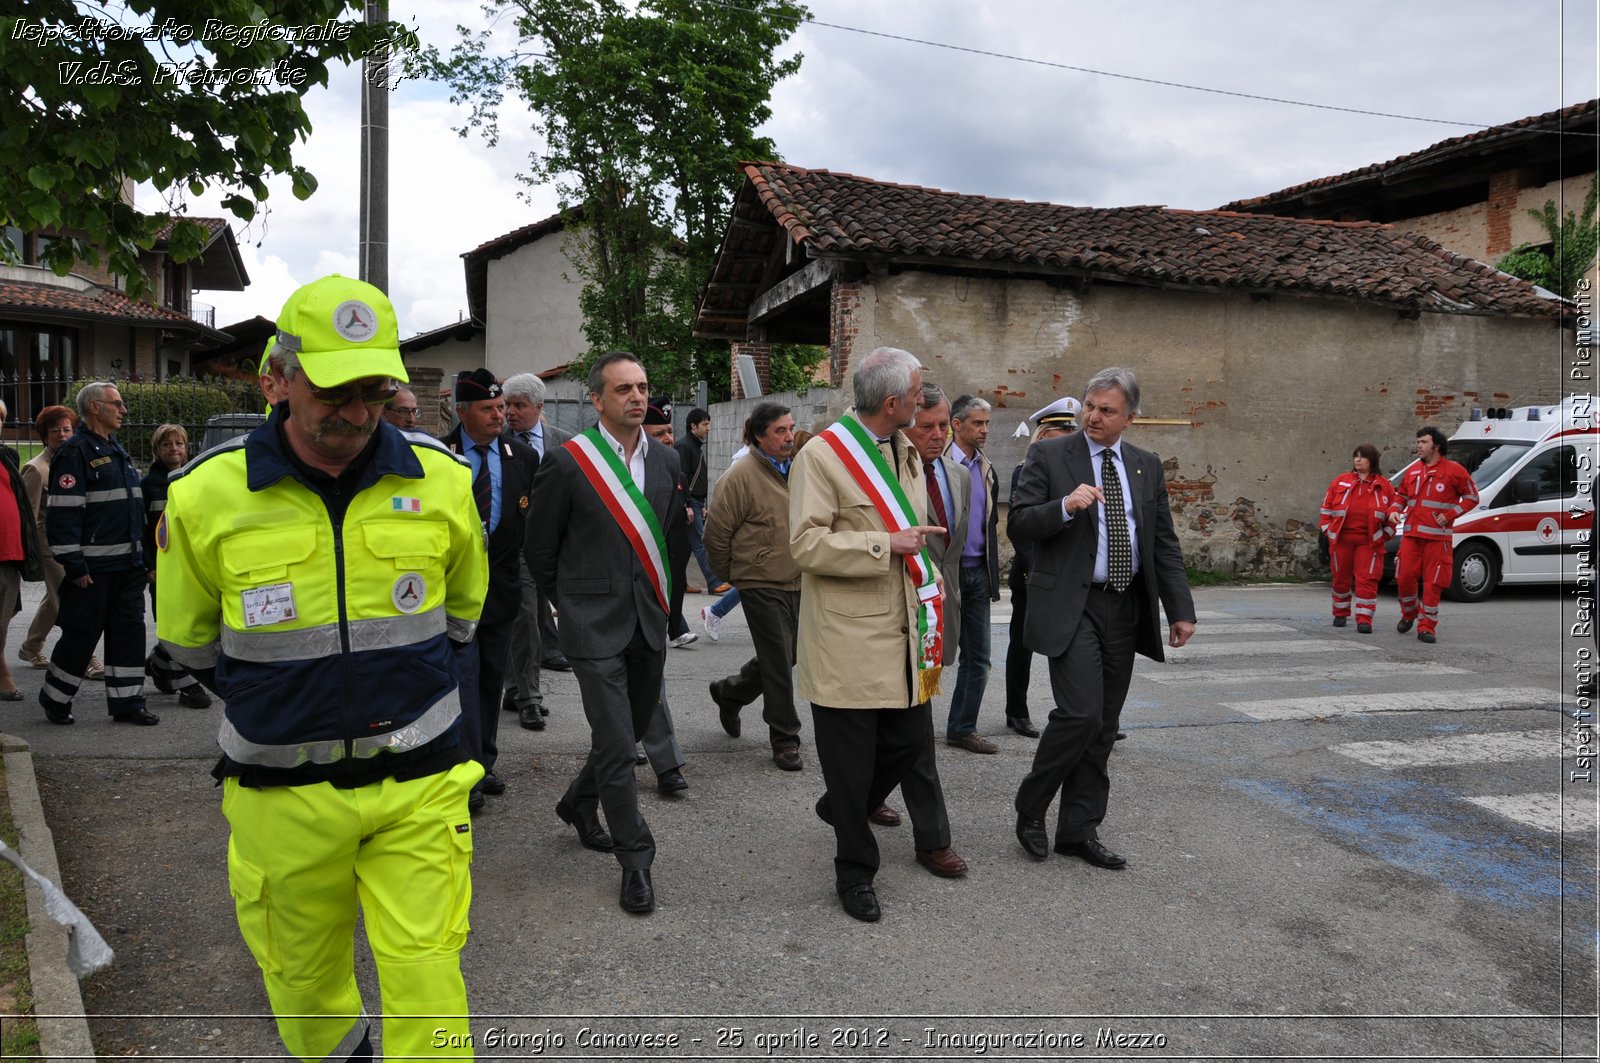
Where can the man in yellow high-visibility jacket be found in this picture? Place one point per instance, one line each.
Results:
(305, 568)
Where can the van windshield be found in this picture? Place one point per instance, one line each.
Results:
(1485, 459)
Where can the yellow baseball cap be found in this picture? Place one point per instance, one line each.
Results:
(342, 329)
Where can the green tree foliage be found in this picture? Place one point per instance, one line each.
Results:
(183, 94)
(644, 108)
(1573, 240)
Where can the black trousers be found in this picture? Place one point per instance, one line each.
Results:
(774, 618)
(1090, 682)
(176, 675)
(864, 754)
(620, 695)
(480, 676)
(111, 605)
(1019, 659)
(924, 794)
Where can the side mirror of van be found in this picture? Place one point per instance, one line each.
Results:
(1527, 488)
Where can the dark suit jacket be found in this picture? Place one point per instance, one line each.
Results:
(1063, 556)
(991, 525)
(949, 560)
(517, 466)
(583, 563)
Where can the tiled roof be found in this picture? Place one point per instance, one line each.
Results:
(212, 226)
(477, 260)
(101, 304)
(833, 215)
(1577, 116)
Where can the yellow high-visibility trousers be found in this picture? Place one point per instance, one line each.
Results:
(300, 858)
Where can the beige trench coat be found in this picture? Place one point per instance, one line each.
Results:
(858, 605)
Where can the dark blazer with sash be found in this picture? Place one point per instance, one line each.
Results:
(1063, 556)
(517, 465)
(584, 563)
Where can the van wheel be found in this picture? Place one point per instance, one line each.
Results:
(1477, 573)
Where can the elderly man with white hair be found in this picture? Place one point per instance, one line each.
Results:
(533, 639)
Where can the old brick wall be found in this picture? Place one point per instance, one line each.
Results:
(1253, 404)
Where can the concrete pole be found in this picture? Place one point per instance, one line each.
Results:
(374, 250)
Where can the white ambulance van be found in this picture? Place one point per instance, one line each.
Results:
(1532, 466)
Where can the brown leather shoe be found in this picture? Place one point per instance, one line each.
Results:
(942, 862)
(788, 758)
(972, 742)
(884, 816)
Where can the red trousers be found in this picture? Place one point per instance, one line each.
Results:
(1359, 560)
(1430, 562)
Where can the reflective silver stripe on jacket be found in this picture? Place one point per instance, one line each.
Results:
(1431, 504)
(65, 500)
(113, 550)
(430, 725)
(311, 643)
(157, 507)
(116, 494)
(195, 656)
(461, 630)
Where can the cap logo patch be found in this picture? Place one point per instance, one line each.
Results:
(355, 321)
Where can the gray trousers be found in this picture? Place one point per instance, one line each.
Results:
(660, 739)
(774, 618)
(522, 672)
(621, 698)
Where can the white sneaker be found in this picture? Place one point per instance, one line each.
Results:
(713, 623)
(37, 660)
(96, 670)
(684, 639)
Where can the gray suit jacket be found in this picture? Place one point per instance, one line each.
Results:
(1063, 557)
(948, 560)
(584, 564)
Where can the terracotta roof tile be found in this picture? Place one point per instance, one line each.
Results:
(1565, 118)
(841, 215)
(103, 304)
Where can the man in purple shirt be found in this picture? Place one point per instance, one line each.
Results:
(980, 573)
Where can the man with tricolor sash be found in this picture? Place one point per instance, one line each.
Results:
(607, 499)
(871, 620)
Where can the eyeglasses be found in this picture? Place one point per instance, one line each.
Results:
(371, 396)
(404, 411)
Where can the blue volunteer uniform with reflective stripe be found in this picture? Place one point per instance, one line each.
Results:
(95, 525)
(95, 519)
(325, 607)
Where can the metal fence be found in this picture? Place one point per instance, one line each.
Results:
(188, 402)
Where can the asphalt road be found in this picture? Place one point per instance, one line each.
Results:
(1340, 846)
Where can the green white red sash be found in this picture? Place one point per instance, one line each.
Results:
(614, 484)
(865, 463)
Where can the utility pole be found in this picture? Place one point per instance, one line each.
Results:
(374, 249)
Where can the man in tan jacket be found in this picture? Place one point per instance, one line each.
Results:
(869, 627)
(747, 538)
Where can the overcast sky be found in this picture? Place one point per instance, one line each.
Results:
(915, 113)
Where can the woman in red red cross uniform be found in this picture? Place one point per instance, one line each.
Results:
(1355, 517)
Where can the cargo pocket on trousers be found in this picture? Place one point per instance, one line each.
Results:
(459, 904)
(253, 907)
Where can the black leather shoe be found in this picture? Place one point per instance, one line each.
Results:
(493, 785)
(638, 892)
(788, 758)
(1426, 636)
(141, 716)
(158, 678)
(558, 663)
(58, 714)
(860, 901)
(727, 711)
(531, 718)
(671, 781)
(194, 697)
(1092, 851)
(1404, 626)
(1339, 621)
(475, 800)
(1030, 832)
(591, 835)
(1363, 628)
(1023, 726)
(508, 703)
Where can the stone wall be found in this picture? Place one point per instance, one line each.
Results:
(1253, 403)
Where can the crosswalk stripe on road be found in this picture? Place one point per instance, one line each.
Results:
(1494, 748)
(1363, 704)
